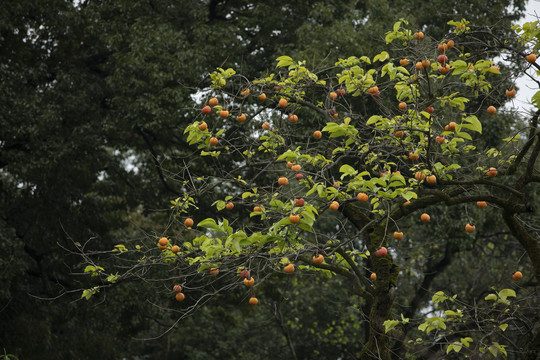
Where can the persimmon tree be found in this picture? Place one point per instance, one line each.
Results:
(326, 171)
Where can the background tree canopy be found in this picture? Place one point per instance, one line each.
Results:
(94, 99)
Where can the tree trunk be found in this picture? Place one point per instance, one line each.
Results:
(378, 344)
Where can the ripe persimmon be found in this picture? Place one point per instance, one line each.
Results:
(402, 106)
(296, 167)
(362, 197)
(245, 92)
(451, 126)
(517, 275)
(214, 271)
(511, 93)
(283, 102)
(425, 217)
(491, 110)
(262, 97)
(283, 181)
(419, 66)
(444, 69)
(163, 241)
(450, 44)
(317, 135)
(470, 228)
(213, 101)
(289, 269)
(373, 90)
(443, 59)
(440, 140)
(253, 301)
(241, 118)
(318, 260)
(295, 219)
(266, 125)
(334, 206)
(224, 114)
(403, 62)
(177, 288)
(203, 126)
(249, 282)
(175, 249)
(481, 204)
(398, 134)
(180, 296)
(425, 63)
(419, 35)
(257, 209)
(381, 252)
(413, 156)
(398, 235)
(373, 276)
(340, 92)
(230, 205)
(431, 179)
(332, 95)
(213, 141)
(492, 172)
(206, 110)
(531, 58)
(293, 118)
(188, 222)
(419, 176)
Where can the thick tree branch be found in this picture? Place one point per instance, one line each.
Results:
(481, 182)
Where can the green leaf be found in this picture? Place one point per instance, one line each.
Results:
(475, 124)
(209, 223)
(506, 293)
(347, 170)
(455, 346)
(438, 297)
(284, 61)
(466, 341)
(374, 119)
(381, 57)
(536, 99)
(389, 325)
(503, 327)
(492, 297)
(464, 135)
(87, 294)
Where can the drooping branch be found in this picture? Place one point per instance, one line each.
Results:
(519, 157)
(341, 271)
(529, 243)
(156, 162)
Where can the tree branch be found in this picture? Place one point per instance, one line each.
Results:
(156, 162)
